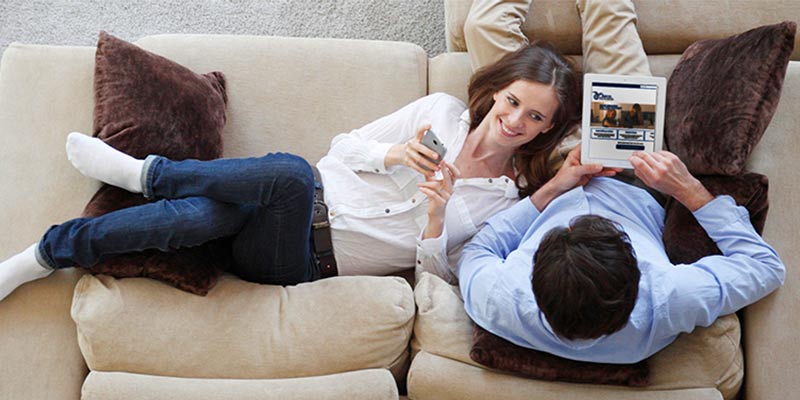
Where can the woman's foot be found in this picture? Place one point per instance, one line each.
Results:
(20, 269)
(96, 159)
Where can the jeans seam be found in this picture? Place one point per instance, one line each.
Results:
(41, 258)
(146, 177)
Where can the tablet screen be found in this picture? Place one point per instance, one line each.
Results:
(623, 119)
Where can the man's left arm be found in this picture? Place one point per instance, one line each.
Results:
(748, 268)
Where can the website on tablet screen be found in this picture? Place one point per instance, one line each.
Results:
(623, 119)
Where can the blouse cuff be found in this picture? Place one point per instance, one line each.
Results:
(376, 159)
(432, 246)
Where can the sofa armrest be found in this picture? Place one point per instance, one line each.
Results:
(770, 326)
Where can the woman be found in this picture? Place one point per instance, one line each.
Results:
(610, 119)
(379, 186)
(634, 117)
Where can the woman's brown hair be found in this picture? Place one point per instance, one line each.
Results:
(538, 62)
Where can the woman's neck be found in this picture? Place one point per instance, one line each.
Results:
(482, 157)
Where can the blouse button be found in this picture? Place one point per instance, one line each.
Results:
(419, 261)
(490, 180)
(506, 180)
(377, 170)
(332, 214)
(387, 210)
(413, 201)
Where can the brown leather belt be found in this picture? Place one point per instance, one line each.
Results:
(321, 231)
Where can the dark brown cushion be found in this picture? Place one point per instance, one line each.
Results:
(147, 104)
(722, 95)
(495, 352)
(686, 241)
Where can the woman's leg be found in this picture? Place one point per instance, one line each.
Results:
(276, 192)
(250, 181)
(232, 180)
(274, 246)
(164, 225)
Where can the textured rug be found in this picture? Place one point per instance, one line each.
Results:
(77, 22)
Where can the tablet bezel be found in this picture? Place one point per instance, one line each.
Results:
(661, 96)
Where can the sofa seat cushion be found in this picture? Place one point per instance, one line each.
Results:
(242, 330)
(433, 377)
(367, 384)
(707, 358)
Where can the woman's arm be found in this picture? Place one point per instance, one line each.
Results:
(367, 148)
(432, 244)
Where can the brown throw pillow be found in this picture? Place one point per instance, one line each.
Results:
(722, 95)
(495, 352)
(147, 104)
(686, 241)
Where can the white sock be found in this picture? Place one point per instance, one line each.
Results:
(20, 269)
(96, 159)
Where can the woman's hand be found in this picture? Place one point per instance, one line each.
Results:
(438, 192)
(414, 155)
(571, 174)
(665, 172)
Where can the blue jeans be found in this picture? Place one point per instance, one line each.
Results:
(264, 204)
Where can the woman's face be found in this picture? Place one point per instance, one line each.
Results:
(521, 111)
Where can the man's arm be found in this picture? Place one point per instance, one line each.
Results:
(748, 269)
(665, 172)
(484, 255)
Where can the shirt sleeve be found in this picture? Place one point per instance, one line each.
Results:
(493, 28)
(432, 257)
(365, 149)
(486, 253)
(747, 270)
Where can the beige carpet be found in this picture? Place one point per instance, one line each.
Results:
(76, 22)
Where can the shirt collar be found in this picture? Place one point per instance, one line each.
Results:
(577, 344)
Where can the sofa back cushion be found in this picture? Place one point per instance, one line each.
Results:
(294, 95)
(242, 330)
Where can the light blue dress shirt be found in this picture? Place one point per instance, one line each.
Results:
(496, 267)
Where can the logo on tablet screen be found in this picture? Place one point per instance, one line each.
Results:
(601, 96)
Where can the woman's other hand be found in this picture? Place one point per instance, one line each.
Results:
(438, 192)
(414, 155)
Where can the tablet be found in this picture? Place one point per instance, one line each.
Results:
(621, 115)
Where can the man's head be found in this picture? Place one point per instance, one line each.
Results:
(585, 278)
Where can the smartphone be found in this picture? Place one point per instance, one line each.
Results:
(431, 141)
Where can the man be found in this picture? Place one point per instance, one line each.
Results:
(600, 287)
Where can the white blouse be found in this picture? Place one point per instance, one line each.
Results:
(377, 215)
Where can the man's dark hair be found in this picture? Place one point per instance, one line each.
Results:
(585, 278)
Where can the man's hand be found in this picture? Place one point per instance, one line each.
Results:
(571, 174)
(665, 172)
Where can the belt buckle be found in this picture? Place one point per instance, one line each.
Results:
(320, 218)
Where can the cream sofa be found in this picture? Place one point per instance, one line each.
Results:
(71, 336)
